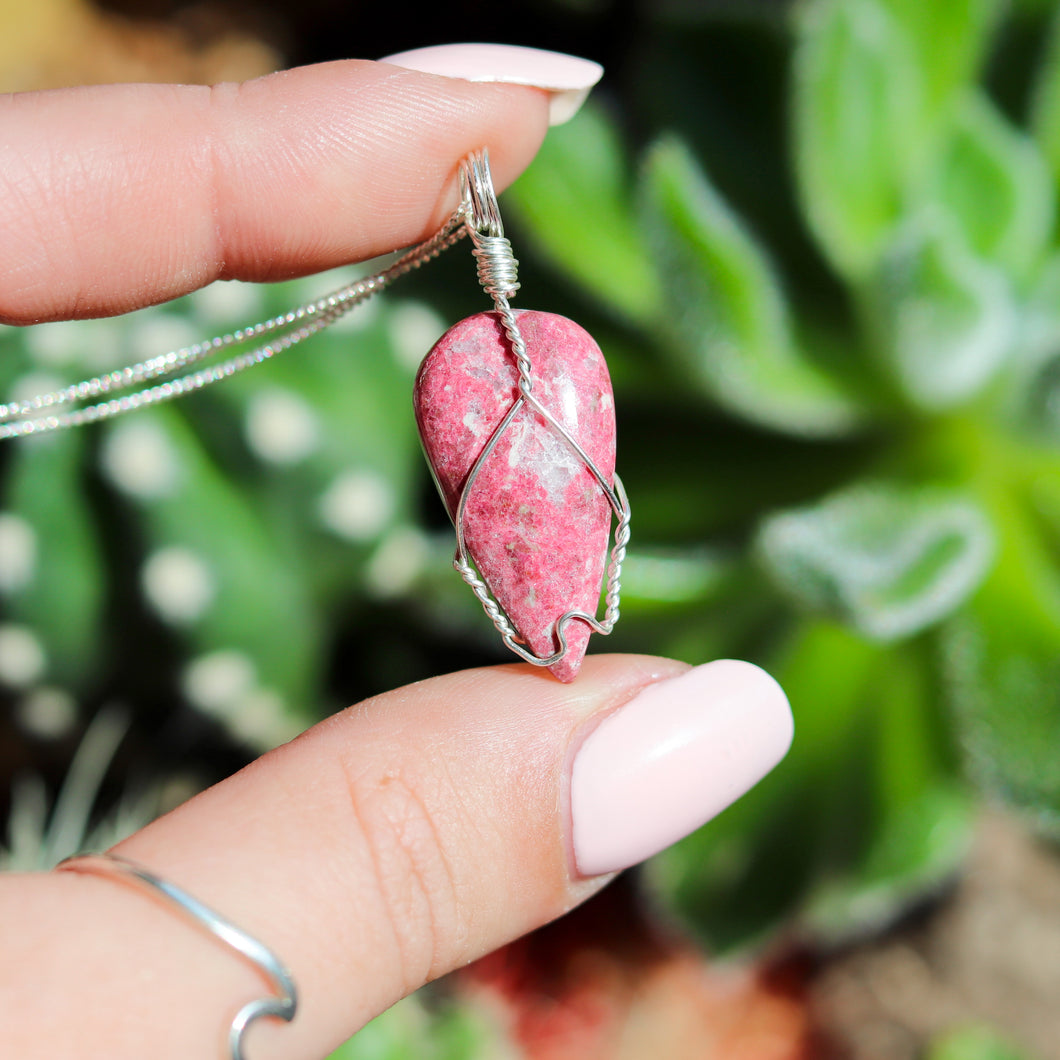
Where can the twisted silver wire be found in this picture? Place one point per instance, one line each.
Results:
(498, 275)
(282, 1004)
(497, 266)
(17, 418)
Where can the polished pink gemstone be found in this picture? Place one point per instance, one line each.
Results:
(536, 522)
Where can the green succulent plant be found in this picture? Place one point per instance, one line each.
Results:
(845, 423)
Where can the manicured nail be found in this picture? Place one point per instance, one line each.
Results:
(567, 78)
(671, 759)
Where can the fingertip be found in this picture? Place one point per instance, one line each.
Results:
(148, 192)
(566, 79)
(366, 160)
(671, 759)
(405, 836)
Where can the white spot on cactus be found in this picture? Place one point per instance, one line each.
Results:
(52, 344)
(228, 303)
(357, 505)
(18, 552)
(33, 383)
(361, 316)
(281, 427)
(397, 563)
(139, 459)
(22, 657)
(259, 720)
(215, 682)
(47, 713)
(223, 685)
(178, 584)
(81, 342)
(156, 332)
(414, 329)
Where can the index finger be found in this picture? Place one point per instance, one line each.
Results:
(118, 196)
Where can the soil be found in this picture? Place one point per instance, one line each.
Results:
(988, 954)
(609, 982)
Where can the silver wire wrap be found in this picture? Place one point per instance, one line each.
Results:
(479, 217)
(498, 272)
(284, 1001)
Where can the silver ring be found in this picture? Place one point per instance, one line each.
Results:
(282, 1004)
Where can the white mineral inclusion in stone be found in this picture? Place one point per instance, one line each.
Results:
(546, 455)
(567, 412)
(178, 584)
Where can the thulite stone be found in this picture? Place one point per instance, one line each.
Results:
(536, 523)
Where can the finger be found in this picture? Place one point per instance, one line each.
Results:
(398, 840)
(118, 196)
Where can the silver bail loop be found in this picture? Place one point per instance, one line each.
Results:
(498, 269)
(480, 200)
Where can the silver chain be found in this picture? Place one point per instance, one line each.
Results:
(32, 416)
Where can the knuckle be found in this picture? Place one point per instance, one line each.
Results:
(413, 872)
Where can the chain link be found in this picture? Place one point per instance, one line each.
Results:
(20, 418)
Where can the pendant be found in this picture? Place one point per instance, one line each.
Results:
(517, 418)
(526, 476)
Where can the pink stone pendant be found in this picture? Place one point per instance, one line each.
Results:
(536, 521)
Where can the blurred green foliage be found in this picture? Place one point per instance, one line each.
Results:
(829, 289)
(974, 1043)
(868, 346)
(442, 1032)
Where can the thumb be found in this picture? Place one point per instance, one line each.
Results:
(398, 840)
(118, 196)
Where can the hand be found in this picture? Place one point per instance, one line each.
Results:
(423, 828)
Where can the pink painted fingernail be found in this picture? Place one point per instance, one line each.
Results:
(567, 78)
(671, 759)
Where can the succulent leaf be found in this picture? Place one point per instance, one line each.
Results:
(947, 318)
(730, 320)
(890, 561)
(573, 204)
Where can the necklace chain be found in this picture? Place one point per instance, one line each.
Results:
(35, 415)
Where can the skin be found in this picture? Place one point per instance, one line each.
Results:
(409, 834)
(120, 196)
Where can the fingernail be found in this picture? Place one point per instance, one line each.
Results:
(671, 759)
(566, 78)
